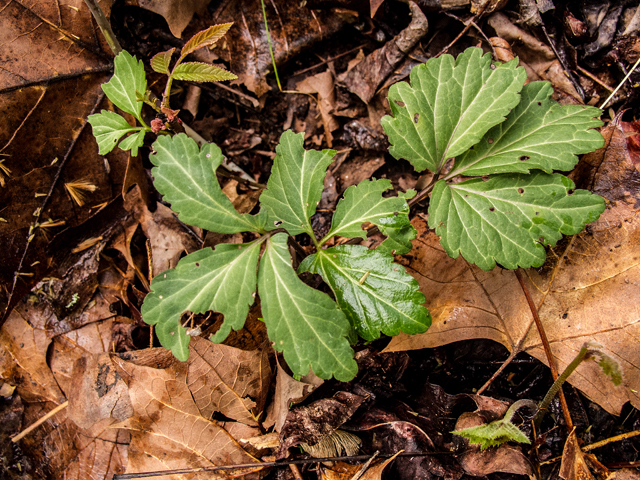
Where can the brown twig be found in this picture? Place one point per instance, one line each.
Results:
(39, 422)
(282, 463)
(504, 365)
(566, 71)
(547, 349)
(591, 76)
(465, 29)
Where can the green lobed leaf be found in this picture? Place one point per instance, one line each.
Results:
(537, 134)
(133, 142)
(108, 128)
(508, 218)
(364, 203)
(295, 185)
(222, 280)
(185, 175)
(493, 434)
(374, 293)
(449, 106)
(201, 72)
(128, 78)
(398, 241)
(304, 323)
(205, 38)
(161, 61)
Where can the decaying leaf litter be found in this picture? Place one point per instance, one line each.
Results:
(73, 332)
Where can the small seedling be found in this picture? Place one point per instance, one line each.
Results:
(501, 431)
(479, 121)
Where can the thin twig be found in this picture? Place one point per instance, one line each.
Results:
(331, 59)
(39, 422)
(465, 29)
(609, 440)
(566, 71)
(547, 349)
(104, 26)
(504, 365)
(282, 463)
(620, 85)
(591, 76)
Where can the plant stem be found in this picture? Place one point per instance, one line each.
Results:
(273, 60)
(104, 25)
(547, 348)
(515, 406)
(544, 405)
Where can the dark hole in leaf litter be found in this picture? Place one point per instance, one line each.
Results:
(492, 209)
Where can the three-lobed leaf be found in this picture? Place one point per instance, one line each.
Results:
(109, 127)
(537, 134)
(186, 176)
(222, 280)
(304, 323)
(364, 203)
(128, 78)
(160, 62)
(374, 293)
(295, 185)
(201, 72)
(449, 106)
(133, 142)
(508, 218)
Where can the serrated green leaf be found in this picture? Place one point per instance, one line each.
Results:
(185, 175)
(364, 203)
(509, 218)
(449, 106)
(493, 434)
(128, 78)
(161, 61)
(398, 241)
(537, 134)
(108, 128)
(133, 142)
(201, 72)
(205, 38)
(374, 293)
(304, 323)
(296, 183)
(222, 280)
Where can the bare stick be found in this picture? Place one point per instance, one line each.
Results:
(104, 25)
(620, 85)
(39, 422)
(547, 349)
(504, 365)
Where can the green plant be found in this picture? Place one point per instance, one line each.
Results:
(504, 430)
(472, 118)
(434, 122)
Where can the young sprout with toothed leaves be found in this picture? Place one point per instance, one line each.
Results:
(481, 116)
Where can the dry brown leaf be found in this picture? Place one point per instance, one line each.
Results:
(374, 472)
(323, 85)
(288, 392)
(53, 62)
(227, 380)
(23, 361)
(573, 466)
(587, 290)
(366, 76)
(536, 57)
(177, 13)
(167, 417)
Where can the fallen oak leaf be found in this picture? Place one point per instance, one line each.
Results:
(584, 291)
(166, 415)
